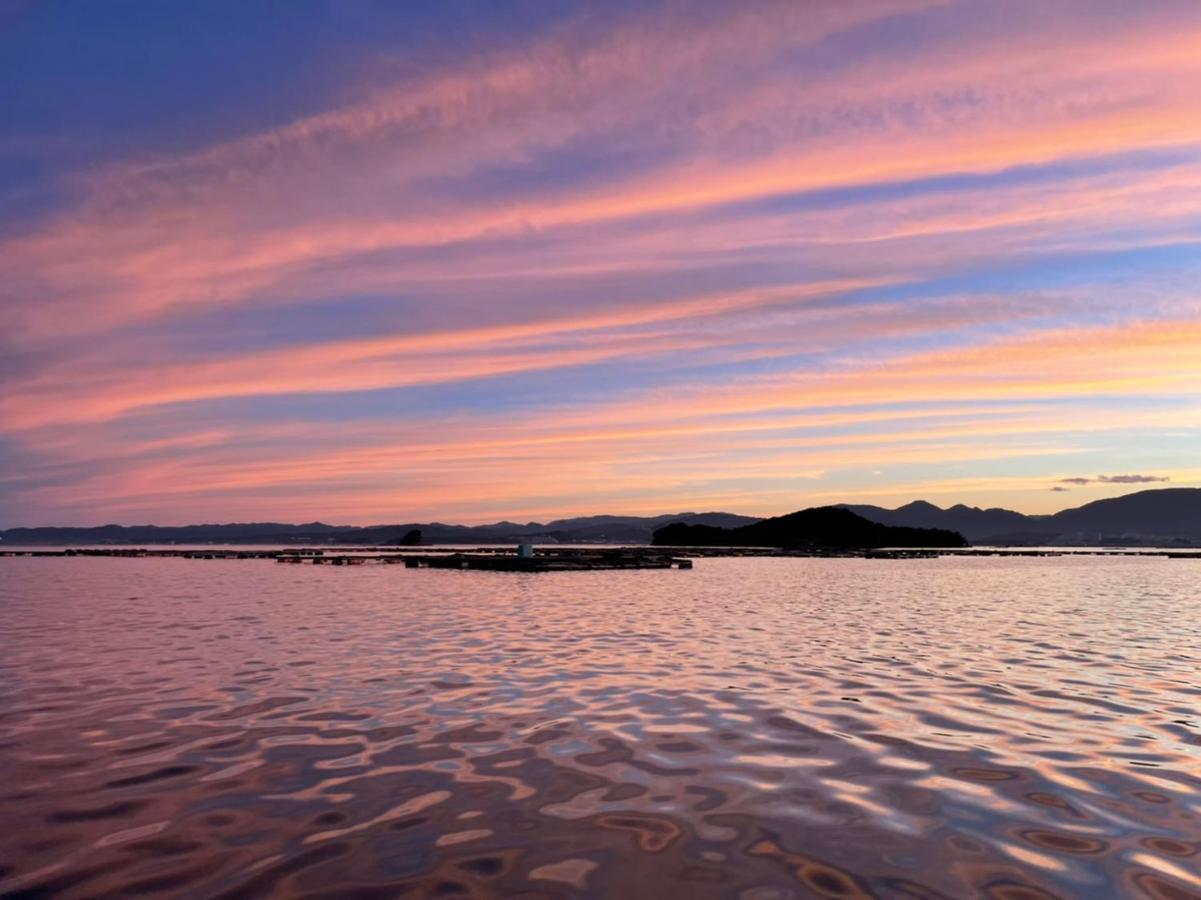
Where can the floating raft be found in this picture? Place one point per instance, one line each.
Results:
(559, 562)
(502, 561)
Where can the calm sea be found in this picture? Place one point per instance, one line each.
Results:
(755, 728)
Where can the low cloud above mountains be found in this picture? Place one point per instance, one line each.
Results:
(1115, 479)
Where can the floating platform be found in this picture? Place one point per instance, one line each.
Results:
(502, 560)
(547, 562)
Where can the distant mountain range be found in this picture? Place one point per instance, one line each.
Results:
(1168, 516)
(584, 530)
(1163, 516)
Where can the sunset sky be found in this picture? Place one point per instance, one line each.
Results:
(386, 262)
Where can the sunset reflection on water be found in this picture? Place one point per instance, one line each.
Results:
(755, 728)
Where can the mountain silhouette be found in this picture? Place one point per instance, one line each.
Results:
(822, 527)
(583, 530)
(1158, 516)
(1161, 516)
(970, 521)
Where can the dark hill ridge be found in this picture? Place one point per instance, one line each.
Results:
(1166, 511)
(970, 521)
(1159, 516)
(242, 532)
(822, 527)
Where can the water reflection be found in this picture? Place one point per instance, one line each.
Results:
(753, 729)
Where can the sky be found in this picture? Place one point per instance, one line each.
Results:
(360, 261)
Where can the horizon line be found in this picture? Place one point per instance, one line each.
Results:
(561, 518)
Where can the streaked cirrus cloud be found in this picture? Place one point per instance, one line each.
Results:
(608, 259)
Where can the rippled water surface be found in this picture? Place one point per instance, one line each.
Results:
(754, 728)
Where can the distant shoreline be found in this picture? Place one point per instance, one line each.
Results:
(1163, 517)
(363, 553)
